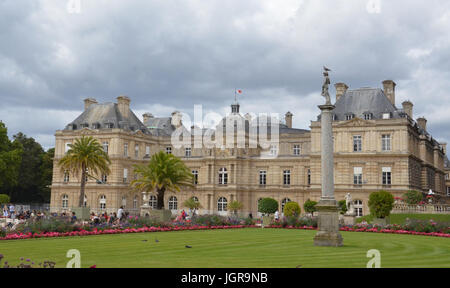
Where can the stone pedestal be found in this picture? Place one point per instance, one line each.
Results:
(349, 219)
(328, 210)
(145, 211)
(82, 213)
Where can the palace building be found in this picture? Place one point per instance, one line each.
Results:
(377, 145)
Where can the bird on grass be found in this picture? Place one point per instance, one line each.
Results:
(187, 246)
(156, 240)
(144, 240)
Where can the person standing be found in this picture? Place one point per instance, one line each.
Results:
(120, 213)
(12, 211)
(277, 215)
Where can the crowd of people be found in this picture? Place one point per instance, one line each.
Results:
(10, 212)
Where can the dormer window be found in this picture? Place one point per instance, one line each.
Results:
(335, 117)
(109, 125)
(84, 125)
(368, 116)
(386, 115)
(349, 116)
(96, 126)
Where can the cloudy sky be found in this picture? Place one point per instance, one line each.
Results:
(168, 55)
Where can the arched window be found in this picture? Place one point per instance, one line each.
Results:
(102, 202)
(222, 204)
(135, 202)
(153, 201)
(173, 203)
(358, 204)
(285, 200)
(223, 176)
(65, 201)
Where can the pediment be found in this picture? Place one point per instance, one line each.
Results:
(87, 131)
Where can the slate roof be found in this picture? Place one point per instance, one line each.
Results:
(100, 116)
(160, 126)
(365, 100)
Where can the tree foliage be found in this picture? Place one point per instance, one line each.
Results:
(235, 206)
(310, 206)
(164, 172)
(413, 197)
(4, 199)
(381, 203)
(292, 209)
(342, 206)
(267, 206)
(10, 161)
(86, 157)
(192, 204)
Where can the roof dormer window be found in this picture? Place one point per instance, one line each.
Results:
(84, 125)
(109, 125)
(349, 116)
(368, 116)
(386, 115)
(96, 126)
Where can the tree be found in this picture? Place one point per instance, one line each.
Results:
(4, 199)
(46, 174)
(413, 197)
(235, 206)
(381, 203)
(164, 172)
(28, 187)
(267, 206)
(310, 206)
(292, 209)
(86, 154)
(10, 159)
(342, 206)
(192, 204)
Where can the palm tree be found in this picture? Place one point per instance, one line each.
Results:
(164, 172)
(235, 206)
(192, 204)
(86, 154)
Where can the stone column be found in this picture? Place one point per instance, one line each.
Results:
(328, 219)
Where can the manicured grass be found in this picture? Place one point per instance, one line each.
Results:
(401, 218)
(251, 247)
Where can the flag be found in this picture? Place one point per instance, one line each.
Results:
(239, 91)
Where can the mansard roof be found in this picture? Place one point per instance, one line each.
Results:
(106, 115)
(365, 100)
(160, 126)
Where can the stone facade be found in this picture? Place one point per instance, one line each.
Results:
(374, 148)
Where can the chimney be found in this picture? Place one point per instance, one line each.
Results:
(422, 123)
(341, 88)
(389, 90)
(288, 118)
(176, 119)
(124, 105)
(408, 108)
(147, 116)
(88, 102)
(444, 147)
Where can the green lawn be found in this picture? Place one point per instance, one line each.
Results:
(250, 248)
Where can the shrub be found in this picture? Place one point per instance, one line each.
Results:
(235, 206)
(4, 199)
(267, 206)
(292, 209)
(342, 206)
(413, 197)
(381, 203)
(310, 206)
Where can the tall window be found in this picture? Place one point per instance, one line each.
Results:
(357, 175)
(136, 151)
(124, 201)
(386, 175)
(357, 143)
(66, 176)
(125, 175)
(358, 204)
(153, 201)
(222, 204)
(287, 177)
(386, 142)
(448, 191)
(195, 173)
(65, 201)
(105, 147)
(188, 152)
(147, 151)
(125, 149)
(296, 150)
(169, 150)
(135, 202)
(102, 202)
(309, 177)
(263, 177)
(223, 176)
(283, 202)
(173, 203)
(104, 178)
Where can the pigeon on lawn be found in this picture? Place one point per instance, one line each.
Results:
(187, 246)
(156, 240)
(144, 240)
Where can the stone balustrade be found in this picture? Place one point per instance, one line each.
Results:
(421, 209)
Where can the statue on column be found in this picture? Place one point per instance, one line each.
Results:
(325, 85)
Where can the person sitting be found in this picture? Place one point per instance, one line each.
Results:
(73, 219)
